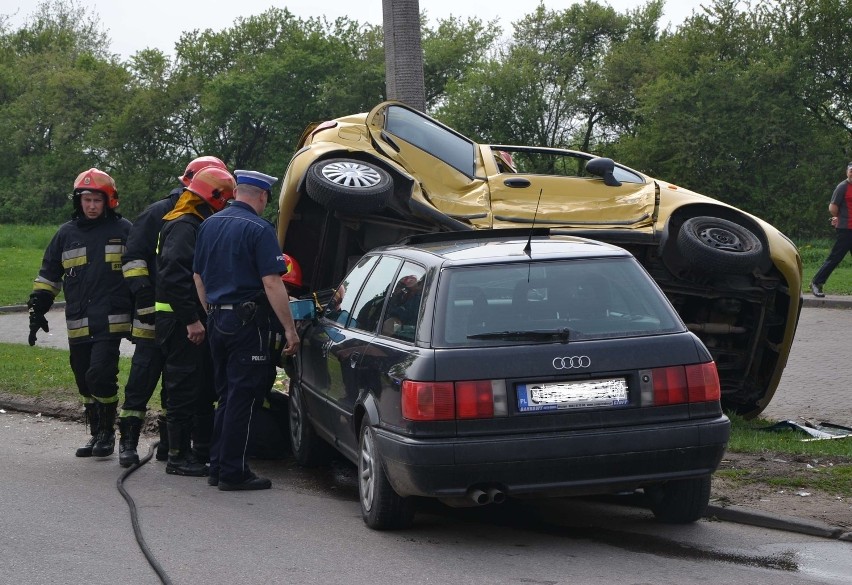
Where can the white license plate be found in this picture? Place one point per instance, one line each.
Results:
(568, 395)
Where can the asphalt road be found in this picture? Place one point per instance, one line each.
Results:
(62, 520)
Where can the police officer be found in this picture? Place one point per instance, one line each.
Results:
(238, 267)
(180, 318)
(140, 269)
(84, 256)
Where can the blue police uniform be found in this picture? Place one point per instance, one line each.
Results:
(235, 249)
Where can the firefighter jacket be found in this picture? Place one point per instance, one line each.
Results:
(175, 289)
(139, 262)
(84, 257)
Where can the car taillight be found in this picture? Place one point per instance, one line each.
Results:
(684, 384)
(453, 400)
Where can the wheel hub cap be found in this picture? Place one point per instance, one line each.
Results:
(351, 174)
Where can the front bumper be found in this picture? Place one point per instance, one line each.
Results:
(554, 463)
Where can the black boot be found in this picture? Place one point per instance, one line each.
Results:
(163, 447)
(105, 444)
(202, 436)
(92, 422)
(130, 427)
(181, 460)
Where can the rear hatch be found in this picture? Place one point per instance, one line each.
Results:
(568, 344)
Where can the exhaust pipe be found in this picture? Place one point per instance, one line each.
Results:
(496, 496)
(478, 497)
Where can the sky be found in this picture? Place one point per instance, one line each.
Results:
(134, 25)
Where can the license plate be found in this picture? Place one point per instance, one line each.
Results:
(570, 395)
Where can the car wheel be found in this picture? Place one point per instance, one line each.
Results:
(308, 449)
(381, 507)
(680, 501)
(349, 186)
(718, 245)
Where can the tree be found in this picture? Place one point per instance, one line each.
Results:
(60, 86)
(722, 116)
(550, 86)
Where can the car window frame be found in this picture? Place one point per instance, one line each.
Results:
(416, 139)
(358, 307)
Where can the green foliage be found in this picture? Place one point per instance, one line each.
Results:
(744, 102)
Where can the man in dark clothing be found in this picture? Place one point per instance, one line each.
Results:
(180, 318)
(84, 256)
(140, 269)
(238, 267)
(841, 220)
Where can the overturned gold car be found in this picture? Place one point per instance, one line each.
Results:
(369, 179)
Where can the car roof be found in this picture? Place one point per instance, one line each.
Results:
(505, 245)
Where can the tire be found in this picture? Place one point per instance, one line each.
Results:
(680, 501)
(719, 246)
(308, 449)
(381, 507)
(349, 186)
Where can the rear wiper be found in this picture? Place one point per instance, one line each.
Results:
(534, 335)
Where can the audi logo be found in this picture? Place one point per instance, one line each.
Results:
(572, 362)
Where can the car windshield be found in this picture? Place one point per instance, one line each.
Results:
(559, 301)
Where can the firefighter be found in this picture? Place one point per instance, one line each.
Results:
(84, 257)
(180, 318)
(140, 269)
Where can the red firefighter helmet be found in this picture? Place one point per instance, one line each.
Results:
(197, 164)
(96, 180)
(293, 276)
(214, 185)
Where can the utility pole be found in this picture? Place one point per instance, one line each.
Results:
(403, 53)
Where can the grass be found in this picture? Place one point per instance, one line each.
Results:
(39, 372)
(752, 437)
(813, 255)
(831, 473)
(21, 251)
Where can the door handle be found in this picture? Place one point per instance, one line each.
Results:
(353, 359)
(516, 182)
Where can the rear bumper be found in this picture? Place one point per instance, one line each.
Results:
(555, 463)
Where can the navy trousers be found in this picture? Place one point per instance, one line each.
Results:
(243, 350)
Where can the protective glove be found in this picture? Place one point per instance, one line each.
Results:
(145, 305)
(39, 303)
(37, 321)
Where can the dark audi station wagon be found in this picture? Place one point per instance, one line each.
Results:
(478, 366)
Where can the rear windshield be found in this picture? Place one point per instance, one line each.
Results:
(580, 299)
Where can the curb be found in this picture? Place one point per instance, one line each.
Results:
(827, 302)
(742, 515)
(24, 308)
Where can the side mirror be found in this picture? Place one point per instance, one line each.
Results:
(603, 167)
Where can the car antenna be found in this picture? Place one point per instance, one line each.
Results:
(528, 247)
